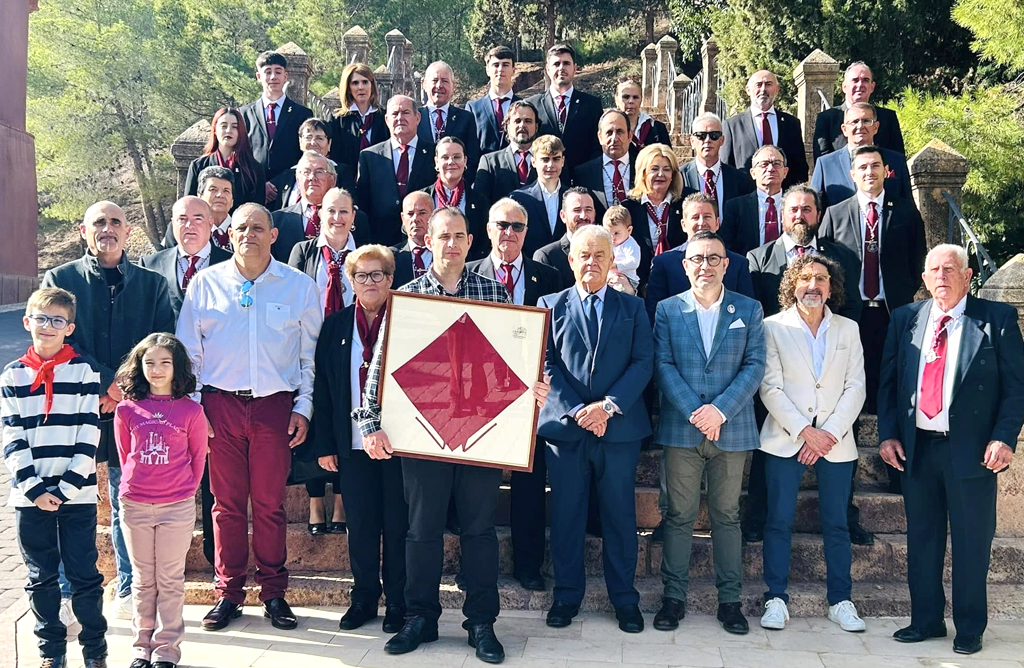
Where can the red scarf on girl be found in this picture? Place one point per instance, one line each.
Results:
(44, 371)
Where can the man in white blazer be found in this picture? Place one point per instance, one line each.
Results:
(813, 388)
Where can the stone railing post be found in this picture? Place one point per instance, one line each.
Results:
(679, 87)
(385, 85)
(356, 44)
(648, 62)
(186, 148)
(395, 62)
(411, 89)
(935, 169)
(666, 50)
(709, 76)
(818, 71)
(300, 69)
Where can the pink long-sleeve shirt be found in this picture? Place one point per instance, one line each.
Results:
(162, 445)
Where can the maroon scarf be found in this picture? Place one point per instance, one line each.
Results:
(442, 200)
(662, 223)
(368, 333)
(44, 371)
(230, 164)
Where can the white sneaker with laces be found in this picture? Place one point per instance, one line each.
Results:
(844, 613)
(67, 615)
(123, 607)
(776, 615)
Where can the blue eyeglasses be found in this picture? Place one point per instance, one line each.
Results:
(244, 299)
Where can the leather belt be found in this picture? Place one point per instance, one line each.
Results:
(928, 435)
(243, 394)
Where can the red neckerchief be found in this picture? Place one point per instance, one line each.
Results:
(44, 371)
(364, 131)
(456, 197)
(368, 333)
(230, 164)
(640, 139)
(335, 288)
(662, 223)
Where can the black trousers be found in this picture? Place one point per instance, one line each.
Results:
(874, 324)
(47, 539)
(932, 492)
(428, 487)
(374, 498)
(528, 514)
(206, 503)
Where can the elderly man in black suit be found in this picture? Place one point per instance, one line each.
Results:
(510, 168)
(706, 173)
(315, 175)
(543, 199)
(314, 135)
(858, 85)
(609, 176)
(762, 125)
(565, 112)
(646, 130)
(951, 404)
(413, 258)
(273, 120)
(755, 219)
(440, 118)
(526, 282)
(391, 170)
(577, 209)
(491, 109)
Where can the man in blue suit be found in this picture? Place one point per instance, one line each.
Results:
(599, 357)
(491, 109)
(668, 278)
(709, 360)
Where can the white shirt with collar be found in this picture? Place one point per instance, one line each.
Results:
(954, 332)
(762, 211)
(552, 204)
(790, 245)
(514, 147)
(773, 123)
(518, 283)
(427, 256)
(321, 270)
(864, 199)
(183, 260)
(307, 212)
(432, 118)
(660, 210)
(410, 149)
(816, 342)
(707, 320)
(223, 228)
(568, 99)
(362, 119)
(355, 361)
(716, 171)
(277, 110)
(608, 173)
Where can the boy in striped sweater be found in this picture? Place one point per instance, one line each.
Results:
(50, 417)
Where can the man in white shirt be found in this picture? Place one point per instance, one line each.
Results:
(250, 326)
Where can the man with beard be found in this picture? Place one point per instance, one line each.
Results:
(577, 210)
(567, 112)
(440, 118)
(511, 168)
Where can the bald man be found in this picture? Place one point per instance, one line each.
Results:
(413, 257)
(440, 118)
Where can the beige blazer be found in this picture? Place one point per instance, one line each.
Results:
(794, 397)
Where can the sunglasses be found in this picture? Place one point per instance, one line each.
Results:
(713, 135)
(244, 298)
(54, 321)
(504, 225)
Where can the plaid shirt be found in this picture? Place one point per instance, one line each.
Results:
(471, 286)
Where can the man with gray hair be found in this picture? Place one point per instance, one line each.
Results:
(706, 173)
(440, 118)
(858, 85)
(755, 219)
(314, 176)
(600, 356)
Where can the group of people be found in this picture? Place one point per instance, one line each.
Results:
(741, 307)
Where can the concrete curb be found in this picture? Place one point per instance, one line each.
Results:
(9, 632)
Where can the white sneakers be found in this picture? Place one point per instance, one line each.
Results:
(123, 607)
(776, 615)
(845, 614)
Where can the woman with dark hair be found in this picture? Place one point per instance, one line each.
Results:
(228, 147)
(358, 124)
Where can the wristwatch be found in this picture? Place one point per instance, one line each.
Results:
(608, 407)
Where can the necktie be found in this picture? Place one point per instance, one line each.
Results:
(771, 221)
(640, 137)
(364, 131)
(522, 167)
(506, 278)
(934, 371)
(661, 221)
(418, 268)
(438, 125)
(593, 328)
(499, 113)
(271, 122)
(334, 300)
(563, 112)
(220, 239)
(190, 271)
(871, 283)
(313, 223)
(709, 184)
(800, 250)
(402, 173)
(766, 130)
(618, 188)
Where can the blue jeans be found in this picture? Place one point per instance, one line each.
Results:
(783, 475)
(124, 565)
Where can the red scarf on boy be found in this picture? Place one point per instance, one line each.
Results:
(44, 371)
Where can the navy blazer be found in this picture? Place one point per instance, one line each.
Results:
(829, 137)
(732, 182)
(460, 123)
(283, 152)
(346, 136)
(668, 278)
(582, 117)
(538, 232)
(378, 188)
(556, 255)
(618, 366)
(987, 402)
(490, 136)
(497, 176)
(165, 263)
(741, 143)
(832, 177)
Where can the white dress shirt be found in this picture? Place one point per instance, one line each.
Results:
(321, 270)
(773, 123)
(568, 99)
(433, 118)
(506, 100)
(518, 284)
(396, 155)
(362, 119)
(223, 228)
(816, 343)
(707, 320)
(716, 171)
(529, 155)
(954, 330)
(790, 245)
(277, 110)
(651, 224)
(553, 204)
(183, 260)
(863, 199)
(266, 348)
(355, 361)
(609, 174)
(762, 210)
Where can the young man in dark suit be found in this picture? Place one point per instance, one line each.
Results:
(577, 210)
(706, 173)
(858, 85)
(510, 168)
(543, 199)
(440, 118)
(491, 109)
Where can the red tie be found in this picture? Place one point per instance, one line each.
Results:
(418, 268)
(438, 125)
(771, 222)
(499, 114)
(709, 184)
(506, 278)
(221, 239)
(618, 189)
(871, 288)
(271, 123)
(934, 371)
(334, 300)
(402, 174)
(364, 131)
(522, 167)
(313, 223)
(800, 250)
(190, 271)
(563, 114)
(766, 130)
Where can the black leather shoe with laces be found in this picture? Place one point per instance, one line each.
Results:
(416, 630)
(483, 640)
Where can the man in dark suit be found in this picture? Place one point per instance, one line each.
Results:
(491, 109)
(611, 175)
(440, 118)
(543, 199)
(831, 175)
(951, 404)
(413, 258)
(646, 130)
(526, 281)
(565, 112)
(314, 175)
(600, 356)
(706, 173)
(391, 170)
(314, 135)
(858, 85)
(216, 188)
(273, 120)
(577, 210)
(761, 125)
(510, 168)
(755, 219)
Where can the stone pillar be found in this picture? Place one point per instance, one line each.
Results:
(395, 41)
(817, 71)
(385, 82)
(332, 100)
(666, 51)
(357, 45)
(935, 169)
(648, 60)
(675, 128)
(300, 69)
(709, 76)
(186, 148)
(411, 88)
(18, 200)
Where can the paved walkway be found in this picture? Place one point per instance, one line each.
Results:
(593, 641)
(13, 342)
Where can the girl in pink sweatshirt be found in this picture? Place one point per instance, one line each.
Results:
(161, 441)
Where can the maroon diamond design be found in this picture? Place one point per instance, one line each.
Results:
(459, 383)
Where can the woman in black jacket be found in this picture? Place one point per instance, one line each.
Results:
(228, 147)
(358, 124)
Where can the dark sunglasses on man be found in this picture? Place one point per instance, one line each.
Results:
(713, 135)
(504, 225)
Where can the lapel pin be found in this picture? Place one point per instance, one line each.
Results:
(533, 278)
(730, 308)
(343, 342)
(289, 110)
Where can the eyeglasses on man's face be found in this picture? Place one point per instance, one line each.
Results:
(53, 321)
(712, 260)
(504, 225)
(713, 135)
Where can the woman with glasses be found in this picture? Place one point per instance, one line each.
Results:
(372, 489)
(228, 147)
(359, 123)
(655, 205)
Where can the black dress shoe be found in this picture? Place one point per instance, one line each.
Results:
(861, 536)
(357, 615)
(96, 663)
(732, 618)
(531, 581)
(658, 535)
(560, 615)
(221, 615)
(915, 634)
(54, 662)
(318, 529)
(483, 640)
(416, 630)
(753, 534)
(337, 527)
(630, 619)
(394, 619)
(140, 663)
(280, 614)
(965, 644)
(672, 610)
(164, 664)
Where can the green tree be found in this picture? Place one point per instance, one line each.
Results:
(998, 27)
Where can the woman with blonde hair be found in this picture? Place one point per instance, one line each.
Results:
(358, 123)
(655, 204)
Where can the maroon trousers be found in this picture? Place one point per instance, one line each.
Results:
(249, 461)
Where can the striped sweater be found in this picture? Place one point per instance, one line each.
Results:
(59, 455)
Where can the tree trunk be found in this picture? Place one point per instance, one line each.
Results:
(550, 10)
(145, 183)
(650, 26)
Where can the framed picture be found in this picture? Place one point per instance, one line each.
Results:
(456, 379)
